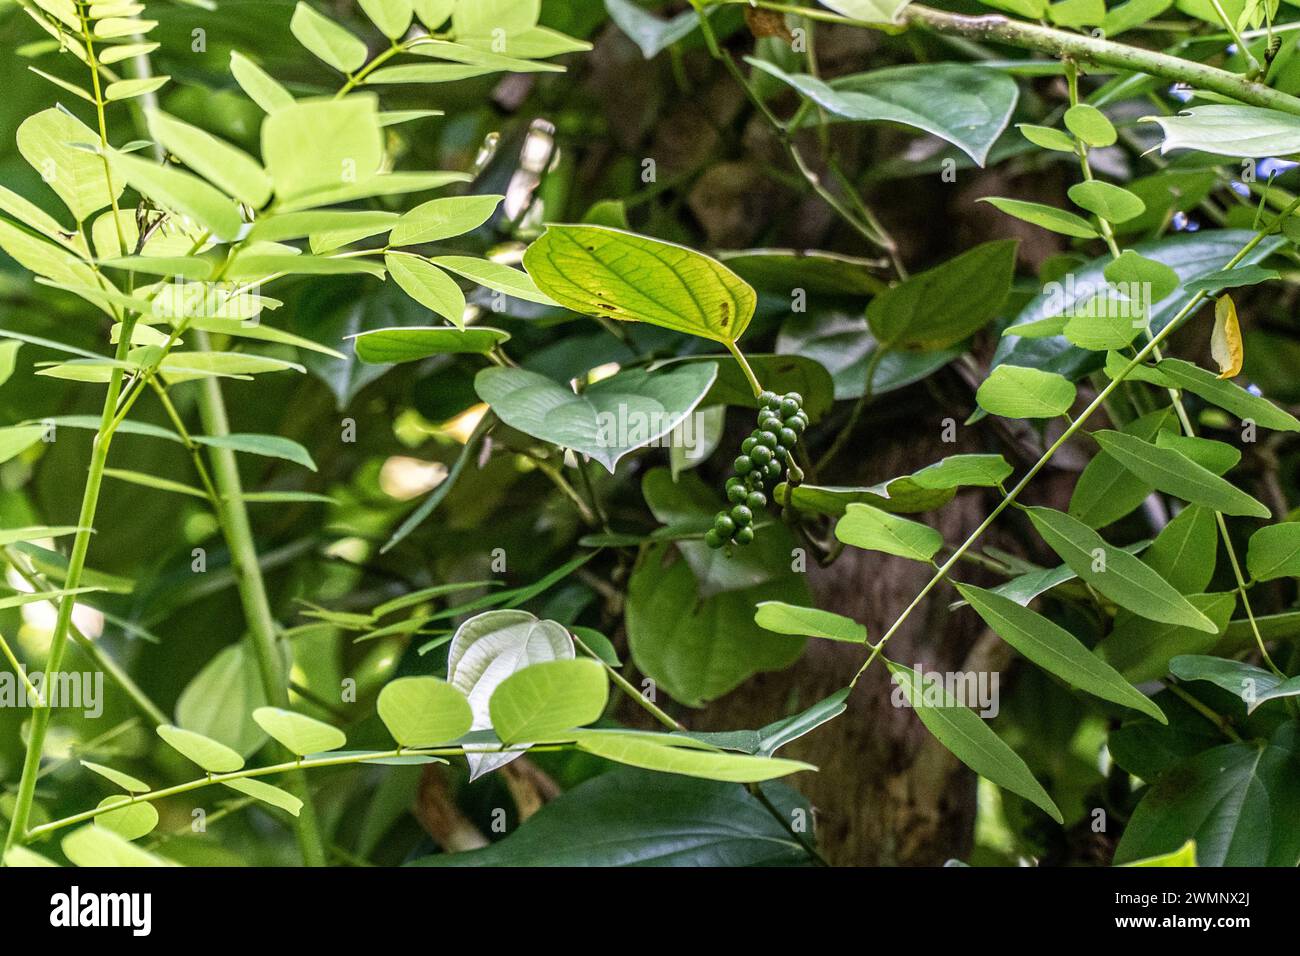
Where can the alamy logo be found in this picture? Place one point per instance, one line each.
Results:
(977, 690)
(131, 910)
(76, 690)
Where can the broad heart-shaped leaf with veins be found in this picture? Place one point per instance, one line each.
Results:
(489, 648)
(615, 274)
(969, 106)
(607, 420)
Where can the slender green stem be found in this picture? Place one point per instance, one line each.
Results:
(626, 687)
(32, 692)
(288, 767)
(1011, 496)
(750, 377)
(1219, 721)
(262, 627)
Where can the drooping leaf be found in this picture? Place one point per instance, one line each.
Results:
(429, 286)
(697, 647)
(785, 618)
(1274, 552)
(631, 817)
(660, 753)
(1176, 474)
(1225, 339)
(180, 191)
(620, 275)
(1254, 685)
(947, 304)
(1055, 649)
(1048, 217)
(966, 105)
(874, 530)
(495, 276)
(1227, 395)
(605, 421)
(261, 88)
(411, 344)
(1114, 572)
(971, 740)
(124, 780)
(267, 793)
(327, 40)
(268, 446)
(100, 847)
(130, 822)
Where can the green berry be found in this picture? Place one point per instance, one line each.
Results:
(756, 500)
(767, 438)
(747, 445)
(760, 455)
(767, 398)
(793, 397)
(782, 453)
(742, 516)
(744, 465)
(754, 481)
(724, 525)
(736, 493)
(773, 469)
(795, 424)
(789, 408)
(789, 437)
(713, 539)
(744, 535)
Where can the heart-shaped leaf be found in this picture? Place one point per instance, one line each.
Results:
(607, 420)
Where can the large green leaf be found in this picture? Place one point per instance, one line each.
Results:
(1116, 573)
(924, 490)
(947, 304)
(699, 648)
(969, 106)
(1055, 649)
(970, 739)
(638, 818)
(605, 421)
(422, 711)
(615, 274)
(548, 698)
(1238, 801)
(1176, 474)
(1185, 551)
(1231, 130)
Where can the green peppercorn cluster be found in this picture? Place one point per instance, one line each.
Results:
(764, 457)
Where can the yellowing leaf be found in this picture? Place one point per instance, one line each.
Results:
(1225, 342)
